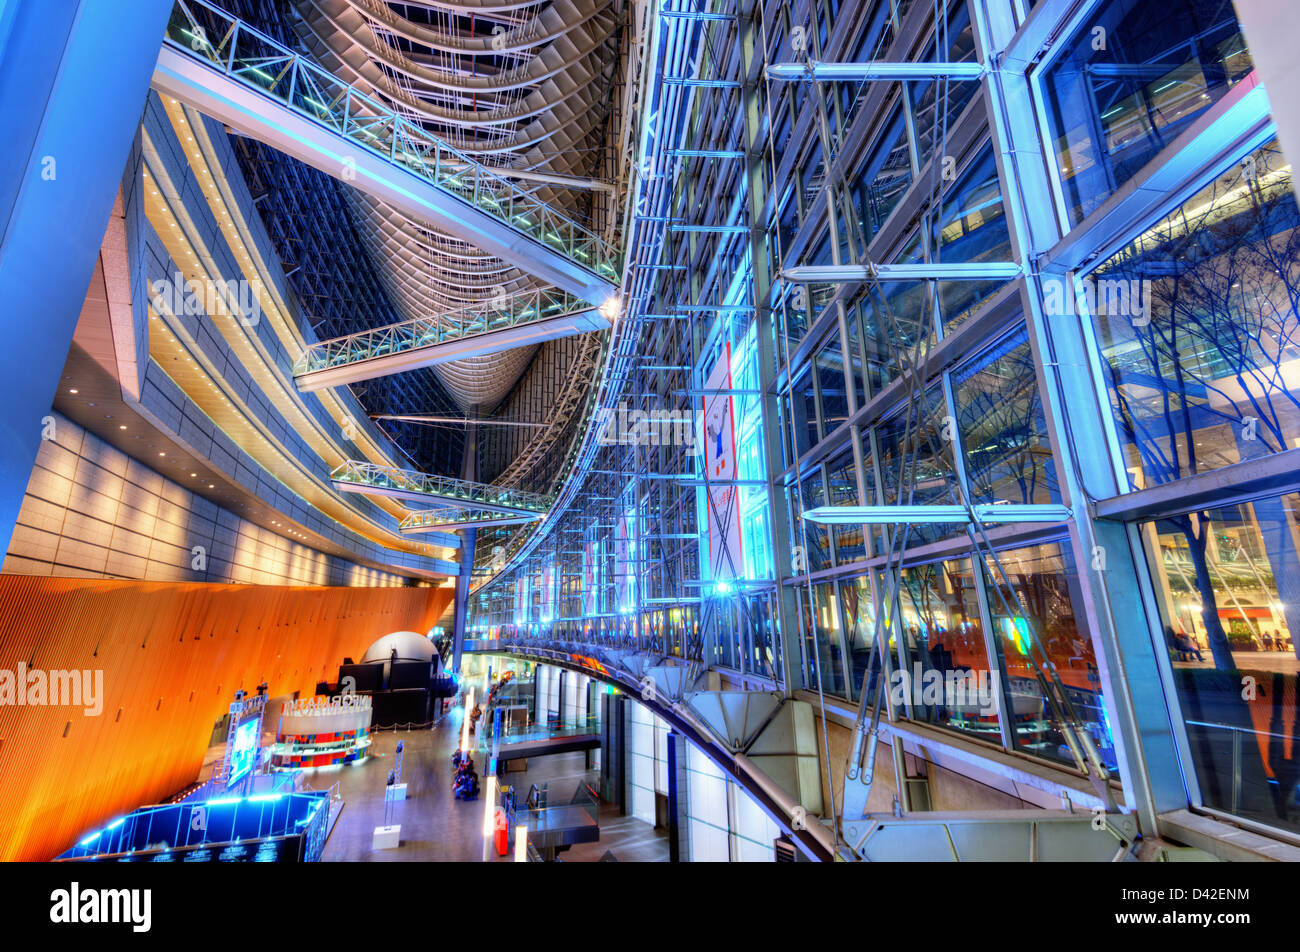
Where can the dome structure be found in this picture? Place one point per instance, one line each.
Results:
(410, 646)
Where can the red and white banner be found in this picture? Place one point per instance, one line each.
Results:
(625, 562)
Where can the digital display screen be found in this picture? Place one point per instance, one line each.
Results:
(244, 754)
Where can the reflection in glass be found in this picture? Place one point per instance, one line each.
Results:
(826, 648)
(1000, 418)
(1196, 321)
(1038, 636)
(971, 228)
(860, 634)
(929, 475)
(850, 541)
(936, 105)
(1115, 104)
(1228, 587)
(940, 632)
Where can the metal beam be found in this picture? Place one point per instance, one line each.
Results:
(920, 271)
(268, 92)
(452, 520)
(519, 321)
(434, 420)
(859, 72)
(357, 476)
(916, 515)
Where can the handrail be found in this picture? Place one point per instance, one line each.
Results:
(256, 60)
(376, 476)
(527, 307)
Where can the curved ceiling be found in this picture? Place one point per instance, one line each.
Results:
(522, 87)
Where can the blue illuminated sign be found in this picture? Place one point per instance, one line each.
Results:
(244, 754)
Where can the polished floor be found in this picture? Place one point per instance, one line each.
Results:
(438, 828)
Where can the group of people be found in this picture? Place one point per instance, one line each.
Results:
(1186, 647)
(464, 783)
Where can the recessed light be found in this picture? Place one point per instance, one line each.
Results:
(121, 426)
(74, 390)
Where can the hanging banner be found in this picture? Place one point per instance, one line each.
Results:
(726, 559)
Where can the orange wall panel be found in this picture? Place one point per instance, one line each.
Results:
(172, 657)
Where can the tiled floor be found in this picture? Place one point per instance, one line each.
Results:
(438, 828)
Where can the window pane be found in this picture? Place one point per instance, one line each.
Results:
(972, 227)
(850, 541)
(1228, 587)
(884, 178)
(804, 400)
(930, 477)
(1197, 326)
(1000, 418)
(859, 634)
(1038, 636)
(944, 673)
(827, 645)
(817, 545)
(830, 376)
(939, 104)
(1136, 76)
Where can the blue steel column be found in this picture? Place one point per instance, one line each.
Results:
(73, 81)
(460, 608)
(792, 673)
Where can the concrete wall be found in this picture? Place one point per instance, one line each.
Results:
(91, 511)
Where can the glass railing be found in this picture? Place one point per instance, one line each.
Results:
(578, 728)
(235, 49)
(517, 310)
(437, 488)
(552, 823)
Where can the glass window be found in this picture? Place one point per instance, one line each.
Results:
(938, 104)
(1196, 322)
(1228, 586)
(1136, 76)
(804, 401)
(857, 372)
(1003, 432)
(930, 476)
(883, 179)
(850, 541)
(859, 634)
(1039, 641)
(826, 648)
(830, 379)
(944, 675)
(971, 228)
(816, 545)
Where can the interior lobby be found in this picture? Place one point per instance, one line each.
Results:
(568, 431)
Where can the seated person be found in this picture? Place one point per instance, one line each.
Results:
(1187, 647)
